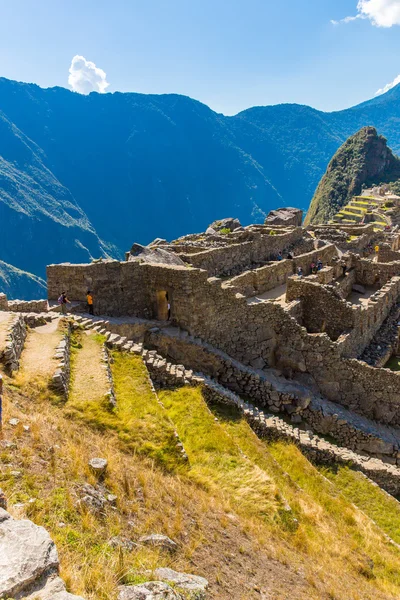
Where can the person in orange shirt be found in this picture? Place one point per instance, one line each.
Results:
(89, 298)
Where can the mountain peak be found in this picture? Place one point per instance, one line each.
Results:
(364, 159)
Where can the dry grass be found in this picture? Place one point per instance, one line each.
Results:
(227, 511)
(37, 360)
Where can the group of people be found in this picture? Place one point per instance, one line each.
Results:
(63, 301)
(314, 267)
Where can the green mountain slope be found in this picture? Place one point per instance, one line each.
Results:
(364, 159)
(81, 176)
(42, 221)
(20, 284)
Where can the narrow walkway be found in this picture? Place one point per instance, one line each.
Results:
(37, 358)
(89, 379)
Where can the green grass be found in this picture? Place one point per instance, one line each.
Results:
(139, 420)
(146, 427)
(216, 461)
(379, 506)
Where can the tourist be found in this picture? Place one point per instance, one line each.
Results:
(313, 268)
(89, 299)
(376, 249)
(279, 257)
(299, 272)
(63, 301)
(319, 264)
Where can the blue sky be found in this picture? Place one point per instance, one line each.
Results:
(229, 54)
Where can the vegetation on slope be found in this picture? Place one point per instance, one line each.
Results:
(138, 419)
(20, 284)
(364, 159)
(63, 156)
(254, 518)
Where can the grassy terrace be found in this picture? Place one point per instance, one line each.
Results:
(139, 420)
(255, 518)
(378, 505)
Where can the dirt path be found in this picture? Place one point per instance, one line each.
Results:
(5, 320)
(37, 358)
(89, 380)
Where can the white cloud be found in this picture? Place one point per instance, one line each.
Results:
(388, 86)
(346, 20)
(84, 77)
(381, 13)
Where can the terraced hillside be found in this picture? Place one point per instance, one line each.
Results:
(366, 209)
(250, 514)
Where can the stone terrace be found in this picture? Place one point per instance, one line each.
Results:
(309, 330)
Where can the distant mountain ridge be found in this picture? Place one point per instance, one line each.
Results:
(85, 176)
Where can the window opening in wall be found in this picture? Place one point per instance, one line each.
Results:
(163, 306)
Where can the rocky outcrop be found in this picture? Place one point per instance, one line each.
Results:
(285, 216)
(153, 255)
(223, 225)
(28, 562)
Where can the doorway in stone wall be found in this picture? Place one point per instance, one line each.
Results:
(163, 304)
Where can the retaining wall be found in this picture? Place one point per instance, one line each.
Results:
(15, 342)
(61, 377)
(271, 427)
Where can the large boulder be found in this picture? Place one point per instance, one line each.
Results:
(28, 562)
(285, 216)
(26, 553)
(52, 589)
(152, 590)
(192, 586)
(228, 223)
(153, 255)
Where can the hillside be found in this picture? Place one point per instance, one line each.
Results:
(254, 517)
(84, 176)
(364, 159)
(19, 284)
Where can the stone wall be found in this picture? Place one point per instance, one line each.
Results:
(15, 342)
(258, 281)
(31, 306)
(386, 254)
(322, 310)
(3, 302)
(61, 377)
(250, 333)
(268, 277)
(235, 258)
(271, 427)
(376, 273)
(107, 365)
